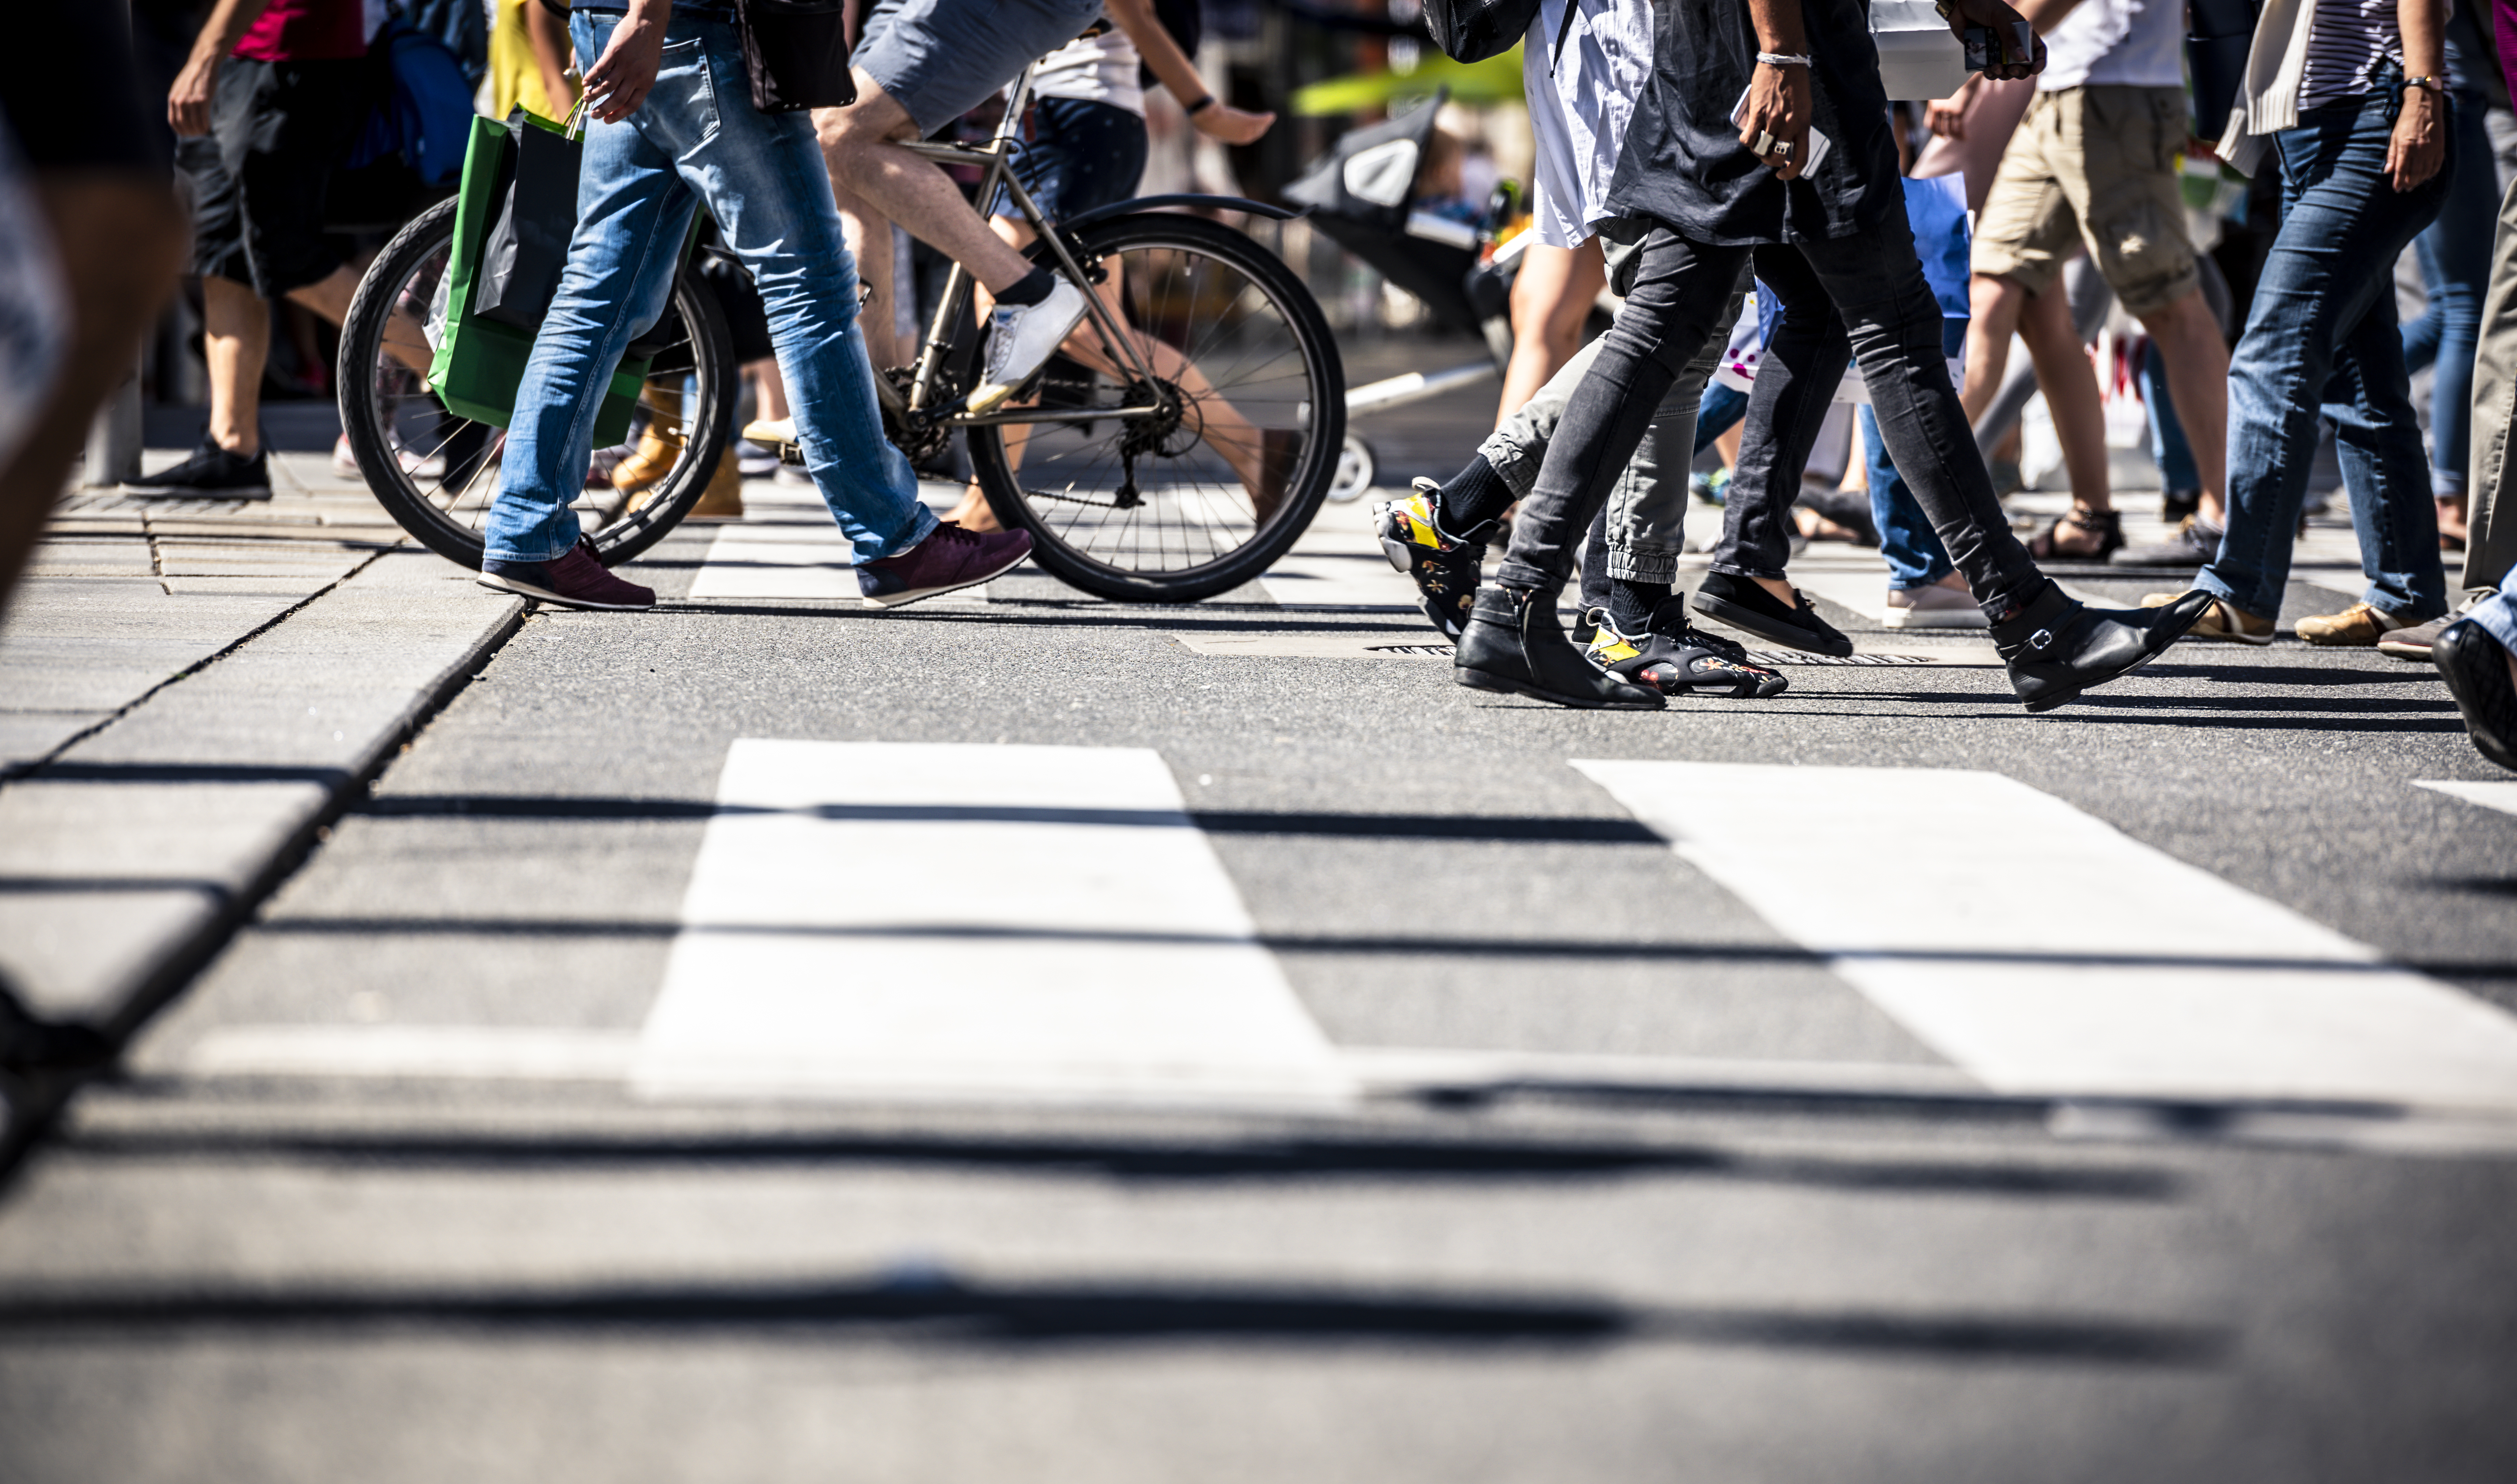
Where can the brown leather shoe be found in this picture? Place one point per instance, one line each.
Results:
(2223, 623)
(722, 500)
(659, 445)
(2359, 626)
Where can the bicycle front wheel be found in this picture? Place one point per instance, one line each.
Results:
(1206, 496)
(437, 474)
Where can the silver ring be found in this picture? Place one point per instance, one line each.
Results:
(1783, 150)
(1765, 143)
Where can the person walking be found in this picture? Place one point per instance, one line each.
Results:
(2094, 165)
(1835, 245)
(664, 137)
(2348, 96)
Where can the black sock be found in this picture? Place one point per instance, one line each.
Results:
(1033, 288)
(1469, 504)
(1632, 602)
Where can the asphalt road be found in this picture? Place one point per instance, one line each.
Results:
(432, 1175)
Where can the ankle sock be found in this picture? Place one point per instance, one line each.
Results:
(1033, 288)
(1632, 603)
(1474, 499)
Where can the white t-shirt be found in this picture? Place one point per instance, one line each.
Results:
(2118, 43)
(1581, 96)
(1100, 70)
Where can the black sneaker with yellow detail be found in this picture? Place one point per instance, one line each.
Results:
(1445, 567)
(1676, 659)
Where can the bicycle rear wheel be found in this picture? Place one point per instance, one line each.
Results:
(1177, 508)
(436, 474)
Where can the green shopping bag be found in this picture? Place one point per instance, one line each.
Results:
(480, 362)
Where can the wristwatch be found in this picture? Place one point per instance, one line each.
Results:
(2428, 84)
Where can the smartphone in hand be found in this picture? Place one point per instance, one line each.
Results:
(1818, 143)
(1980, 52)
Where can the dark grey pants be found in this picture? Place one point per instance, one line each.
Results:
(1862, 296)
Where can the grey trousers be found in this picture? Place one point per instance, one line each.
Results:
(1647, 507)
(2492, 549)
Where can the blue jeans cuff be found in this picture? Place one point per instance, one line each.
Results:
(922, 524)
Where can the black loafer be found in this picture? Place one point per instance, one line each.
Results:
(1745, 605)
(2056, 649)
(2476, 670)
(1514, 644)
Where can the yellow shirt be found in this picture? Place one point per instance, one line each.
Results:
(515, 73)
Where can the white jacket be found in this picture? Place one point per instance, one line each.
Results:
(2267, 103)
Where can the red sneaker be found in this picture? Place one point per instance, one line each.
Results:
(574, 580)
(949, 559)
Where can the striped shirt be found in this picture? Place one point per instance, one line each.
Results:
(2346, 45)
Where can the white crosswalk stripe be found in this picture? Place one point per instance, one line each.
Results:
(2501, 796)
(2045, 951)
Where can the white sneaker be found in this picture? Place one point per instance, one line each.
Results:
(345, 460)
(1932, 606)
(1020, 340)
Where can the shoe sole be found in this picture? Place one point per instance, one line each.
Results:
(2418, 652)
(153, 492)
(522, 589)
(920, 595)
(1906, 617)
(1483, 680)
(1748, 620)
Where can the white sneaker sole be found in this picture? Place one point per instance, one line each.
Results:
(921, 594)
(1915, 617)
(500, 583)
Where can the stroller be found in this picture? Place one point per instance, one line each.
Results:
(1359, 196)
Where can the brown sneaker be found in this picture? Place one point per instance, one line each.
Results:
(2359, 626)
(2223, 623)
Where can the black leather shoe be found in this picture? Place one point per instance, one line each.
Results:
(1745, 605)
(2056, 649)
(1514, 644)
(2476, 670)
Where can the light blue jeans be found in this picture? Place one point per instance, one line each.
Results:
(2322, 330)
(1912, 548)
(2455, 270)
(697, 137)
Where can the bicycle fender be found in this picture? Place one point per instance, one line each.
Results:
(1190, 202)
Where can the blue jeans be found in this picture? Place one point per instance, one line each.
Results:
(697, 137)
(1915, 556)
(2168, 445)
(2455, 269)
(2322, 329)
(1720, 411)
(2497, 614)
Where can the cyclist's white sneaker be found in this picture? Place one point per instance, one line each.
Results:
(1021, 337)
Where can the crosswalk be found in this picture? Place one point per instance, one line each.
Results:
(886, 921)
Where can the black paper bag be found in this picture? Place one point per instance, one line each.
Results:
(796, 52)
(528, 244)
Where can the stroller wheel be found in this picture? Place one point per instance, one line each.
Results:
(1355, 471)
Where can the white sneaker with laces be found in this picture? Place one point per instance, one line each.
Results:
(1021, 337)
(1933, 606)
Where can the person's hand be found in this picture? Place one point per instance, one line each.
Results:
(621, 78)
(1947, 116)
(1230, 124)
(1999, 18)
(1775, 126)
(187, 102)
(2418, 147)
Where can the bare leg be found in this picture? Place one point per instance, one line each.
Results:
(876, 183)
(1994, 305)
(121, 241)
(2070, 388)
(1550, 300)
(771, 399)
(2198, 382)
(235, 341)
(331, 296)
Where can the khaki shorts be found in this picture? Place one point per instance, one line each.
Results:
(2097, 164)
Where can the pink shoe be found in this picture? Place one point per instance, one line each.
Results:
(574, 580)
(949, 559)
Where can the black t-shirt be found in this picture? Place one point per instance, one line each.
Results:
(1684, 163)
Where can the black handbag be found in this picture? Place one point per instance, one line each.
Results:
(1473, 31)
(527, 246)
(796, 54)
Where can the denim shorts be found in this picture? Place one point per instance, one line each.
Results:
(1076, 155)
(940, 58)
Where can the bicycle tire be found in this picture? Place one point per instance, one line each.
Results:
(1322, 424)
(377, 395)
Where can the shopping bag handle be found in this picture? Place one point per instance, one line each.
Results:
(575, 125)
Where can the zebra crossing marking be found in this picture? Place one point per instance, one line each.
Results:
(2501, 796)
(905, 919)
(2044, 950)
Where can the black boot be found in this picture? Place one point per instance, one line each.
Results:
(2056, 649)
(1514, 644)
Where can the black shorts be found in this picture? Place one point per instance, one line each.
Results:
(70, 90)
(259, 179)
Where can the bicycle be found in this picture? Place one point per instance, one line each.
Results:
(1195, 337)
